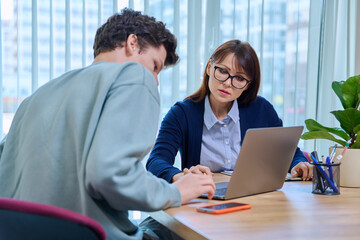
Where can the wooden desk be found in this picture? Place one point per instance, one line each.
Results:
(290, 213)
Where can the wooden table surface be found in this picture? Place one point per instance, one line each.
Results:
(292, 212)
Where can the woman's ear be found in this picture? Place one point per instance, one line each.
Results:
(208, 67)
(247, 86)
(132, 45)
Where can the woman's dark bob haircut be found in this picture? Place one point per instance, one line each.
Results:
(247, 60)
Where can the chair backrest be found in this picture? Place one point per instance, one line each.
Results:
(28, 220)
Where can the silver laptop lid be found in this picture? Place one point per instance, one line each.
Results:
(264, 160)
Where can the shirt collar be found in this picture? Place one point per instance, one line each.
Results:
(234, 112)
(209, 116)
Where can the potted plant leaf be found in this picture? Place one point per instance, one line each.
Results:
(349, 118)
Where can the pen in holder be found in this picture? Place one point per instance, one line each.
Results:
(326, 178)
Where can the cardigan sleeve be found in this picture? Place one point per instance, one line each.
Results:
(171, 134)
(298, 157)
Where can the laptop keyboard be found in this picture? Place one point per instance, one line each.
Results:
(220, 192)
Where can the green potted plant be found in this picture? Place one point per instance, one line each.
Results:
(349, 118)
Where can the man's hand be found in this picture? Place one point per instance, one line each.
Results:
(194, 185)
(303, 170)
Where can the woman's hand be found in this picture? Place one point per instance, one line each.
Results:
(198, 169)
(303, 170)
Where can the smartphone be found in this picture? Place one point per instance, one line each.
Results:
(224, 207)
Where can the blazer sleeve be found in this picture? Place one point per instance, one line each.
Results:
(125, 132)
(2, 144)
(171, 134)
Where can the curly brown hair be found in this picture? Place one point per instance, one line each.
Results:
(148, 31)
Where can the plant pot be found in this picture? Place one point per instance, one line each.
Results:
(349, 168)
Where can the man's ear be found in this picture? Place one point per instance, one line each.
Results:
(132, 45)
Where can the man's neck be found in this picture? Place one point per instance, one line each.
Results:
(116, 55)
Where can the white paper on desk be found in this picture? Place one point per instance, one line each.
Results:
(227, 172)
(290, 178)
(287, 178)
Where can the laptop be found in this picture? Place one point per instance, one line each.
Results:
(262, 164)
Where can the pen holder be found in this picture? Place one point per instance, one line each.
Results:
(326, 178)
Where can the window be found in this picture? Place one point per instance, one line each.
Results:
(64, 30)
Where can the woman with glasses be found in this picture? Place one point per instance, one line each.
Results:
(208, 126)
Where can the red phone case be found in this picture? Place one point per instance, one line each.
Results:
(209, 209)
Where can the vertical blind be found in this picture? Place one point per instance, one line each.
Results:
(333, 48)
(298, 42)
(41, 39)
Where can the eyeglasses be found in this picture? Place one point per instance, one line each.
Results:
(236, 81)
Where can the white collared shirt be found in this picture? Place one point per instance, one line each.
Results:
(220, 145)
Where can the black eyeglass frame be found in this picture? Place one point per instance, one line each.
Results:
(232, 77)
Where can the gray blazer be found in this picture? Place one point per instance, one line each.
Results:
(77, 143)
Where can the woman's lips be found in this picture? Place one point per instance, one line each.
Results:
(224, 92)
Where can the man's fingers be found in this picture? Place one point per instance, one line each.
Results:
(210, 193)
(193, 185)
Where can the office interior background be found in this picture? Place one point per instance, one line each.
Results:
(302, 45)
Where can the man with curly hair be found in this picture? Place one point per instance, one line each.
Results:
(78, 141)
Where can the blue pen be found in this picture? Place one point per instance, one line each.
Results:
(328, 161)
(332, 155)
(324, 175)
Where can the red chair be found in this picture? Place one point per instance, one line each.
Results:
(28, 220)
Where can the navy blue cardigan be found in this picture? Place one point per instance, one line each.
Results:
(182, 128)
